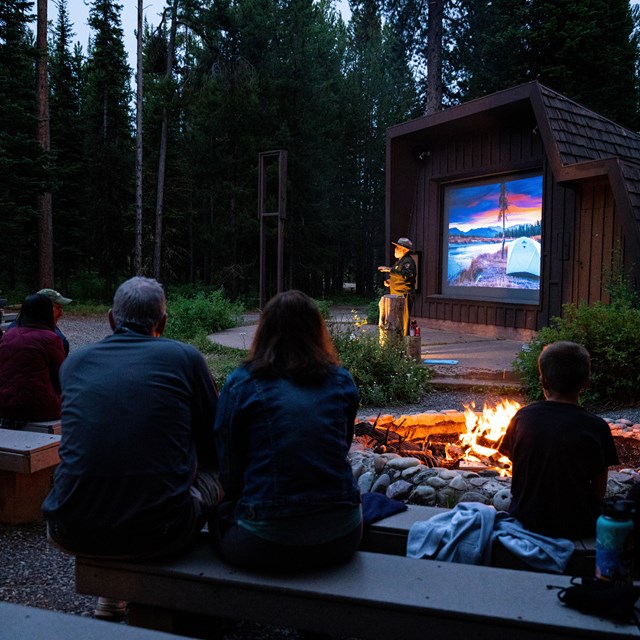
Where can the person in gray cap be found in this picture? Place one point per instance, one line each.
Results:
(402, 276)
(59, 301)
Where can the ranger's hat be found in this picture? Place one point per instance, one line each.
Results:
(404, 243)
(54, 296)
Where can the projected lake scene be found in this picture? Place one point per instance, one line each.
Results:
(494, 233)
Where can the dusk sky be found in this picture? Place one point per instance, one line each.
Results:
(79, 13)
(478, 206)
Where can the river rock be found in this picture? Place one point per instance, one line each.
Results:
(492, 487)
(447, 474)
(437, 482)
(474, 496)
(381, 484)
(365, 481)
(403, 463)
(379, 464)
(399, 490)
(502, 500)
(424, 494)
(459, 483)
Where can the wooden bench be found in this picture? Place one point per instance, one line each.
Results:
(374, 596)
(27, 461)
(28, 623)
(390, 536)
(47, 426)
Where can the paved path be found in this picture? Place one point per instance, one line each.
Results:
(479, 360)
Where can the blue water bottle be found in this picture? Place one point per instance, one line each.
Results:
(614, 541)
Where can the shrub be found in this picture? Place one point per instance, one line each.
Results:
(201, 313)
(384, 374)
(220, 360)
(611, 334)
(373, 311)
(324, 306)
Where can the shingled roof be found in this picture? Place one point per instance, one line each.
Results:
(581, 134)
(579, 143)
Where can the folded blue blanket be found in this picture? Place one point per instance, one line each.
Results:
(376, 506)
(466, 534)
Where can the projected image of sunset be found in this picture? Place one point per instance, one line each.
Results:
(494, 233)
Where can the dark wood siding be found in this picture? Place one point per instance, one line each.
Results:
(416, 207)
(591, 199)
(599, 243)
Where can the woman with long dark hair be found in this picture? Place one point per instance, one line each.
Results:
(30, 359)
(284, 425)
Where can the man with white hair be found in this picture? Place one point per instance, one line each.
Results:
(401, 280)
(136, 475)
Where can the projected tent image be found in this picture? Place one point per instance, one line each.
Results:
(494, 233)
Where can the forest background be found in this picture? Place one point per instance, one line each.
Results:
(176, 164)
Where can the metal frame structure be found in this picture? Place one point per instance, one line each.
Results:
(264, 159)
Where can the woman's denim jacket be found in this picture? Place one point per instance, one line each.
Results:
(283, 447)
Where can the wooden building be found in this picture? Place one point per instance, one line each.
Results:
(472, 173)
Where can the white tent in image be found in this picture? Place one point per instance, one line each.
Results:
(524, 257)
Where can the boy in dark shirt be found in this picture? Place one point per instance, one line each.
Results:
(560, 451)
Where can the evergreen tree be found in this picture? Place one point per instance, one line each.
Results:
(488, 42)
(21, 160)
(108, 152)
(585, 49)
(381, 93)
(69, 199)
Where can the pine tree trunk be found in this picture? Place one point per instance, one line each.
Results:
(137, 260)
(45, 216)
(162, 159)
(434, 56)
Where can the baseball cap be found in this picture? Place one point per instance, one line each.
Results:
(54, 296)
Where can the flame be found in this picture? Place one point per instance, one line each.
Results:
(490, 425)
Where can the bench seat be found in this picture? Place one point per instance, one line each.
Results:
(22, 623)
(27, 461)
(48, 426)
(389, 535)
(375, 596)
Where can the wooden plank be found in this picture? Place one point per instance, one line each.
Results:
(20, 622)
(37, 450)
(374, 596)
(22, 495)
(25, 441)
(15, 462)
(49, 426)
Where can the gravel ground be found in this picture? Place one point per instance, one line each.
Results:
(37, 574)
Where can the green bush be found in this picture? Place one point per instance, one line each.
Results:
(324, 306)
(372, 311)
(221, 360)
(611, 334)
(384, 374)
(201, 313)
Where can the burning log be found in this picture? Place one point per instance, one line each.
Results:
(478, 437)
(388, 441)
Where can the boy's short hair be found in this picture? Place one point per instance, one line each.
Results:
(564, 367)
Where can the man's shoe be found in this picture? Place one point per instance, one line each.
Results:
(110, 609)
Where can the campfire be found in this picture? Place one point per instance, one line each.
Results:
(457, 441)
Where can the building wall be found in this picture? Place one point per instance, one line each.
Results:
(580, 228)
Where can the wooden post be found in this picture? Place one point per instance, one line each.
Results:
(391, 322)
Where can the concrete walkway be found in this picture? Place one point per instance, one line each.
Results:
(472, 360)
